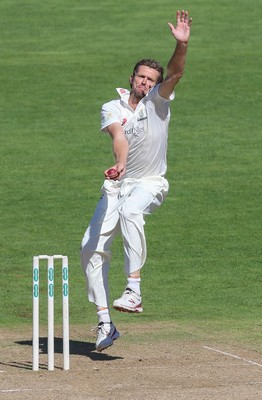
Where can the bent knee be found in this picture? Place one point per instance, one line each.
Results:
(130, 212)
(92, 259)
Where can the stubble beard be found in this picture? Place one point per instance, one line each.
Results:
(139, 95)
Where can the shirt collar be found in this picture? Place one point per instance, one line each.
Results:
(123, 93)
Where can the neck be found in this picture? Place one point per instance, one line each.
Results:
(133, 100)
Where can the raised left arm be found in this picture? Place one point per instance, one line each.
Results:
(176, 65)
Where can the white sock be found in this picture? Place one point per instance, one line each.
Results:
(134, 284)
(103, 316)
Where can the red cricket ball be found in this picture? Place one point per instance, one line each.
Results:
(112, 173)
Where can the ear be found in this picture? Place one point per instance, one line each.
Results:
(131, 79)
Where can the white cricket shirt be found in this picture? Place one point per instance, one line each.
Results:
(146, 129)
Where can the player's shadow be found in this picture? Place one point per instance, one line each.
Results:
(76, 347)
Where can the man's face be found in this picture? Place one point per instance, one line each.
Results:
(143, 81)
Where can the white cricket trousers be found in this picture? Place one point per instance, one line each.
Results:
(121, 209)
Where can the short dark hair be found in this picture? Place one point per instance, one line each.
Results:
(148, 62)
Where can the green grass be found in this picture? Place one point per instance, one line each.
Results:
(60, 60)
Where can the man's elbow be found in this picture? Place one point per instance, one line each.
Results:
(173, 79)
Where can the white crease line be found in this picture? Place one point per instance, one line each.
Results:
(233, 355)
(23, 390)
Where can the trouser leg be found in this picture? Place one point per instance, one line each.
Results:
(95, 248)
(140, 202)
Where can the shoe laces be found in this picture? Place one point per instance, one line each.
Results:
(100, 327)
(129, 292)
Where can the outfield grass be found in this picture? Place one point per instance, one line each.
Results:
(60, 60)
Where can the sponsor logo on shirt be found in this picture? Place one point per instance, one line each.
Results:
(135, 131)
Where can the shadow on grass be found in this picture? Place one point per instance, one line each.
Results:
(76, 348)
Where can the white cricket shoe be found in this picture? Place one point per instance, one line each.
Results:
(130, 301)
(106, 334)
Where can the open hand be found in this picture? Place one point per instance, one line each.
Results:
(181, 31)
